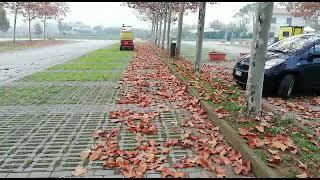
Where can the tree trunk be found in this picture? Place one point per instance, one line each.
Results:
(152, 29)
(160, 28)
(169, 23)
(252, 105)
(178, 46)
(164, 26)
(156, 30)
(15, 25)
(202, 13)
(29, 29)
(44, 28)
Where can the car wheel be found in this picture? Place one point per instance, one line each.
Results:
(286, 86)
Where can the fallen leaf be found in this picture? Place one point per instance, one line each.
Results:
(220, 172)
(273, 151)
(84, 154)
(279, 145)
(79, 170)
(303, 175)
(260, 128)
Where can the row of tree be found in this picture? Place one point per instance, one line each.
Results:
(156, 12)
(36, 10)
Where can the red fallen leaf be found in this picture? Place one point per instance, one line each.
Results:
(186, 143)
(103, 157)
(244, 167)
(220, 172)
(303, 175)
(110, 163)
(243, 131)
(243, 120)
(165, 172)
(255, 142)
(94, 155)
(79, 170)
(165, 150)
(234, 155)
(260, 128)
(129, 172)
(84, 154)
(279, 145)
(95, 134)
(222, 160)
(141, 169)
(275, 159)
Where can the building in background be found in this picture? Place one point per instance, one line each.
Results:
(281, 17)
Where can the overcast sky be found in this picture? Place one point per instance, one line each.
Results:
(113, 14)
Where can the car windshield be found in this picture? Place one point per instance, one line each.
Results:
(292, 44)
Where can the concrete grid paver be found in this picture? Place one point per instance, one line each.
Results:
(43, 135)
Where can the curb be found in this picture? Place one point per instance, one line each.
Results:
(259, 168)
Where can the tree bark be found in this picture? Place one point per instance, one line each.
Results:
(152, 28)
(15, 25)
(160, 28)
(164, 26)
(169, 23)
(178, 46)
(44, 28)
(253, 95)
(156, 30)
(202, 13)
(29, 29)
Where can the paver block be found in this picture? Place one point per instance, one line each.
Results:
(18, 175)
(39, 174)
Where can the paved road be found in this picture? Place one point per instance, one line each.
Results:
(16, 64)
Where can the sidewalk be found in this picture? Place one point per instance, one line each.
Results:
(158, 130)
(46, 118)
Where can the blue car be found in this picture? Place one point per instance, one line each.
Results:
(292, 64)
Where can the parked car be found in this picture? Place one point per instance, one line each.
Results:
(291, 64)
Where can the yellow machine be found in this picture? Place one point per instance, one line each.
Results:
(126, 38)
(287, 31)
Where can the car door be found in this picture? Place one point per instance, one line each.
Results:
(310, 67)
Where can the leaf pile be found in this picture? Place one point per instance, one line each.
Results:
(154, 86)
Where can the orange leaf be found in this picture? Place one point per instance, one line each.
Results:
(220, 172)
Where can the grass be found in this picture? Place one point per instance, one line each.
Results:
(72, 76)
(113, 59)
(93, 66)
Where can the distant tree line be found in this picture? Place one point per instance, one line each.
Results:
(31, 11)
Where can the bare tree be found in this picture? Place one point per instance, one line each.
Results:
(202, 13)
(164, 25)
(30, 11)
(169, 23)
(181, 11)
(15, 8)
(252, 106)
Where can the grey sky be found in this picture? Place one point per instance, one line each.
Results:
(113, 14)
